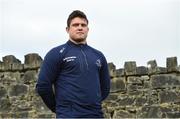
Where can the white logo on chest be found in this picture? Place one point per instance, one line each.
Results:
(69, 59)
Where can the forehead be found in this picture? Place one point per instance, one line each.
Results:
(78, 20)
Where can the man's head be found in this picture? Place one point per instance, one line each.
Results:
(77, 26)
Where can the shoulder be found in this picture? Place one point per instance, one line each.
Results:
(56, 52)
(97, 52)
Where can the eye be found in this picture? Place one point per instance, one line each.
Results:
(75, 25)
(83, 25)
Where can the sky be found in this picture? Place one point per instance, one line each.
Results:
(124, 30)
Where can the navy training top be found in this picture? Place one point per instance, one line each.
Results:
(79, 74)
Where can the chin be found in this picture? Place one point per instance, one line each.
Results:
(79, 40)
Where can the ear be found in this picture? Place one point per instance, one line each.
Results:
(88, 29)
(67, 29)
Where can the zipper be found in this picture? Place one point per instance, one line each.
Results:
(85, 57)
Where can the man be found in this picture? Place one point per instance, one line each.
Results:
(78, 72)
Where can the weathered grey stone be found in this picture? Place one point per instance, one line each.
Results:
(17, 67)
(157, 70)
(1, 66)
(22, 114)
(46, 115)
(32, 61)
(119, 73)
(161, 70)
(173, 115)
(118, 84)
(133, 87)
(134, 80)
(122, 114)
(145, 78)
(152, 66)
(141, 101)
(5, 105)
(165, 80)
(171, 64)
(130, 68)
(112, 69)
(17, 90)
(3, 92)
(146, 85)
(142, 70)
(150, 112)
(10, 77)
(135, 93)
(168, 97)
(152, 96)
(126, 101)
(169, 111)
(112, 96)
(30, 76)
(8, 61)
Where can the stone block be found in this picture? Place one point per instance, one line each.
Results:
(126, 101)
(134, 87)
(152, 66)
(118, 84)
(112, 97)
(142, 70)
(11, 77)
(175, 115)
(167, 96)
(32, 61)
(30, 77)
(135, 93)
(17, 90)
(119, 73)
(171, 64)
(1, 67)
(149, 112)
(122, 114)
(17, 67)
(146, 85)
(165, 81)
(134, 80)
(152, 96)
(145, 78)
(130, 68)
(5, 105)
(161, 70)
(7, 67)
(141, 101)
(22, 114)
(112, 69)
(46, 115)
(3, 92)
(9, 59)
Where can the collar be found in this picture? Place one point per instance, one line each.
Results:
(76, 45)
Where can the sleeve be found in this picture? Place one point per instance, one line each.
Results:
(104, 79)
(47, 76)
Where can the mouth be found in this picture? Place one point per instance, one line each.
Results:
(80, 33)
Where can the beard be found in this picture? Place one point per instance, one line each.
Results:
(78, 40)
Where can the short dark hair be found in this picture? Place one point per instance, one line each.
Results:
(76, 13)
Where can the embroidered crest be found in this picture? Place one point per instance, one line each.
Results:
(98, 63)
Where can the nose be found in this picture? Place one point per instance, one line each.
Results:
(80, 27)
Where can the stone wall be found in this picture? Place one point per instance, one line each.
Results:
(136, 91)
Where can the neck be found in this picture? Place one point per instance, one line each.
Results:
(82, 42)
